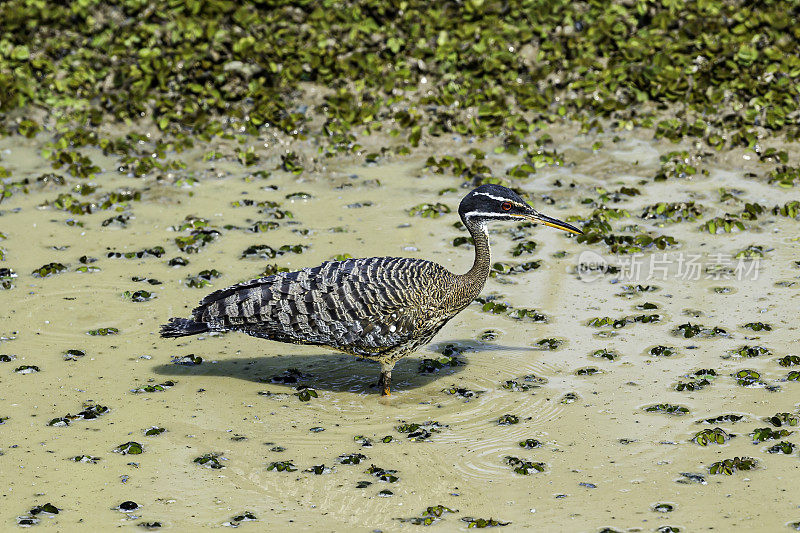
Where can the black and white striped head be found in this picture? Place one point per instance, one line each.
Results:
(495, 202)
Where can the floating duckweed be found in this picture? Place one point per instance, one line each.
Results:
(264, 251)
(599, 322)
(481, 523)
(196, 240)
(662, 351)
(491, 305)
(290, 162)
(762, 434)
(726, 224)
(757, 326)
(729, 466)
(351, 458)
(507, 420)
(548, 344)
(783, 447)
(748, 377)
(751, 252)
(46, 508)
(263, 226)
(210, 460)
(570, 397)
(711, 436)
(784, 419)
(50, 269)
(130, 448)
(526, 247)
(155, 251)
(318, 470)
(751, 351)
(429, 516)
(102, 332)
(138, 296)
(203, 278)
(462, 392)
(694, 384)
(382, 474)
(282, 466)
(27, 521)
(663, 508)
(690, 330)
(627, 244)
(789, 209)
(673, 212)
(428, 366)
(246, 516)
(698, 380)
(667, 408)
(363, 440)
(721, 419)
(789, 360)
(524, 467)
(420, 432)
(516, 386)
(85, 459)
(462, 241)
(7, 276)
(304, 394)
(128, 506)
(688, 477)
(629, 291)
(290, 376)
(505, 269)
(187, 360)
(429, 210)
(160, 387)
(609, 355)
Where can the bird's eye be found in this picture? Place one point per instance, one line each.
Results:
(505, 206)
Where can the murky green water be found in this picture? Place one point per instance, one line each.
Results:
(607, 461)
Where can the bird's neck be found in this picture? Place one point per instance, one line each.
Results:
(472, 282)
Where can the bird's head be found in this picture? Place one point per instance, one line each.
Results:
(495, 202)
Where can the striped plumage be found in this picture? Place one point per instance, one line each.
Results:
(378, 308)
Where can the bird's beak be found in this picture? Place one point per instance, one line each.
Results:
(535, 216)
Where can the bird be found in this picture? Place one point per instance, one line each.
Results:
(378, 308)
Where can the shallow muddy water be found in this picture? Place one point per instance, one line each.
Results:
(607, 461)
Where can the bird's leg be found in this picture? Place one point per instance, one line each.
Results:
(385, 381)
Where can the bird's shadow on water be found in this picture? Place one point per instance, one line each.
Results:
(331, 371)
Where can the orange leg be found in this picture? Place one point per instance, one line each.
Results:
(385, 382)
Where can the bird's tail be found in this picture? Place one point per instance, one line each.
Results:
(181, 327)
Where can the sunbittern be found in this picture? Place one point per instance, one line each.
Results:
(379, 308)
